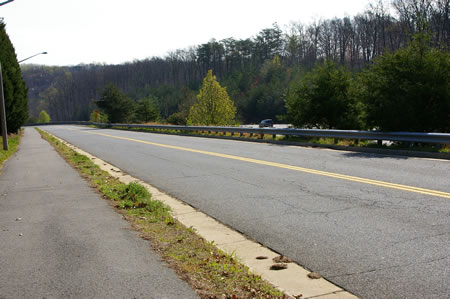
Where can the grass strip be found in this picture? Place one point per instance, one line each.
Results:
(13, 144)
(210, 271)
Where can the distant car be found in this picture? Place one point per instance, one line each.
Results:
(266, 123)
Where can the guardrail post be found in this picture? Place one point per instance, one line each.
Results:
(336, 141)
(379, 142)
(274, 136)
(262, 136)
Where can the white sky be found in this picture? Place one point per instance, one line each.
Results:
(116, 31)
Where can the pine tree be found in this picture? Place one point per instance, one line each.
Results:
(322, 99)
(147, 110)
(408, 90)
(214, 106)
(118, 107)
(15, 91)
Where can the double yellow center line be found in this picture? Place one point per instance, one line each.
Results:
(290, 167)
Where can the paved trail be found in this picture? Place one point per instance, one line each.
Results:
(69, 242)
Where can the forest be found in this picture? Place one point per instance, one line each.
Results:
(385, 68)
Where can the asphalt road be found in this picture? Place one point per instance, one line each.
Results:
(60, 239)
(373, 238)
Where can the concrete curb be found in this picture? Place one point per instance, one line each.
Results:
(293, 281)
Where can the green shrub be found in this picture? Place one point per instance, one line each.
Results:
(43, 117)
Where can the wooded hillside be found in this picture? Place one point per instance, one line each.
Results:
(258, 72)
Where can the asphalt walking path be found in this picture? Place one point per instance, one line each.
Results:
(60, 239)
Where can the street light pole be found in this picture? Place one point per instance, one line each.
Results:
(2, 101)
(6, 2)
(3, 113)
(2, 96)
(31, 57)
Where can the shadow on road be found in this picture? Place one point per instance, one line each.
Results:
(374, 156)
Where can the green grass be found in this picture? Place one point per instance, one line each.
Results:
(211, 272)
(13, 144)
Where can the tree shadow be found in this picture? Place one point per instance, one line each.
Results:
(364, 155)
(92, 129)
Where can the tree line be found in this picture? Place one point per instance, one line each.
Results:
(267, 75)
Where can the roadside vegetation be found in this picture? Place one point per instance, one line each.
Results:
(214, 106)
(13, 144)
(211, 272)
(43, 117)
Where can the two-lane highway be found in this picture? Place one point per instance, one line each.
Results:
(376, 225)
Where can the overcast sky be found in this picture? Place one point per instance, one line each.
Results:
(116, 31)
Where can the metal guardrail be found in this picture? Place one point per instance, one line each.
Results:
(440, 138)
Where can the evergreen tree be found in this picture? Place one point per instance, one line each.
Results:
(15, 91)
(321, 99)
(147, 110)
(118, 107)
(214, 106)
(409, 89)
(44, 117)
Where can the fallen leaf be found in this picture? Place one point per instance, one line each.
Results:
(282, 259)
(278, 267)
(314, 275)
